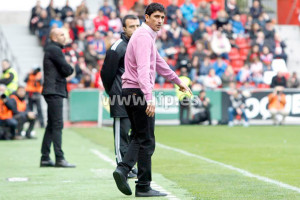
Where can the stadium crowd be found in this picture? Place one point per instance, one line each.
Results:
(218, 47)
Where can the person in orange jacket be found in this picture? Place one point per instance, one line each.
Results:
(22, 114)
(34, 89)
(6, 113)
(277, 101)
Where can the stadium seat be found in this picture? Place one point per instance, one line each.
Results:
(237, 65)
(241, 42)
(243, 19)
(157, 86)
(279, 65)
(171, 62)
(71, 86)
(244, 53)
(263, 85)
(168, 85)
(187, 41)
(191, 50)
(268, 75)
(234, 54)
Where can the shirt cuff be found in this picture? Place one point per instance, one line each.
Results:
(148, 97)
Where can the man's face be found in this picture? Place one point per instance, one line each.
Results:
(60, 37)
(155, 20)
(5, 65)
(131, 26)
(21, 92)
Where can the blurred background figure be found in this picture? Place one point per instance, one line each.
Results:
(6, 115)
(9, 77)
(237, 108)
(34, 89)
(202, 106)
(22, 114)
(277, 102)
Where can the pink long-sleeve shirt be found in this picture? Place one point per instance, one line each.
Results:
(142, 61)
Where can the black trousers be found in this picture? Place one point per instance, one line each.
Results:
(142, 145)
(184, 111)
(121, 135)
(53, 132)
(12, 124)
(201, 117)
(22, 118)
(35, 99)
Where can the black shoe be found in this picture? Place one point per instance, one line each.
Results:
(131, 174)
(64, 163)
(47, 163)
(149, 193)
(121, 182)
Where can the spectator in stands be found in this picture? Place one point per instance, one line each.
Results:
(72, 78)
(254, 52)
(266, 58)
(293, 81)
(206, 66)
(198, 33)
(51, 11)
(183, 60)
(202, 104)
(198, 55)
(212, 81)
(232, 8)
(110, 38)
(86, 82)
(171, 11)
(166, 46)
(115, 23)
(220, 45)
(181, 21)
(6, 113)
(202, 10)
(66, 11)
(237, 108)
(279, 48)
(122, 9)
(82, 8)
(43, 25)
(99, 44)
(208, 21)
(35, 14)
(269, 30)
(106, 8)
(139, 7)
(222, 19)
(244, 75)
(207, 43)
(228, 77)
(184, 98)
(256, 10)
(175, 33)
(9, 77)
(237, 25)
(87, 22)
(101, 22)
(187, 10)
(214, 8)
(260, 41)
(219, 66)
(277, 102)
(192, 25)
(256, 68)
(262, 19)
(278, 80)
(22, 113)
(91, 56)
(57, 20)
(34, 89)
(248, 24)
(255, 28)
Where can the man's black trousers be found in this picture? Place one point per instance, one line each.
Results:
(53, 132)
(121, 136)
(22, 118)
(142, 145)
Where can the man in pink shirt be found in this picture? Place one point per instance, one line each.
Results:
(142, 61)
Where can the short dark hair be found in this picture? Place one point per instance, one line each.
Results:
(128, 17)
(153, 7)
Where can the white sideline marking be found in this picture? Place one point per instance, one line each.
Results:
(241, 171)
(153, 184)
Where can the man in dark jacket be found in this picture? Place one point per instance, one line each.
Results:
(111, 73)
(56, 69)
(278, 80)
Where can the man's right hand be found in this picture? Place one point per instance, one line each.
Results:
(150, 111)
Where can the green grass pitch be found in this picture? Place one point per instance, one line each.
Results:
(267, 151)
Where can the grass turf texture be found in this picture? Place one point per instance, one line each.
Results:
(273, 152)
